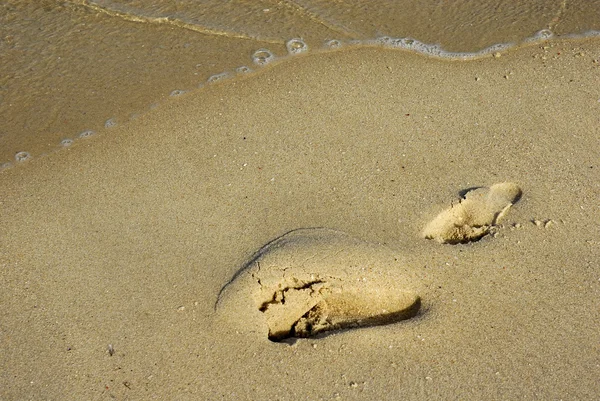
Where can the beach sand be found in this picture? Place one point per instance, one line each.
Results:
(113, 252)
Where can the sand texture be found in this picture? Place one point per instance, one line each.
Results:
(360, 225)
(311, 281)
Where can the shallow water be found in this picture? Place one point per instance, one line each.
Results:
(71, 69)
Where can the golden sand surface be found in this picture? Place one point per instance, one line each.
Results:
(115, 251)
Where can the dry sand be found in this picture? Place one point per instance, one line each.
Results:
(124, 241)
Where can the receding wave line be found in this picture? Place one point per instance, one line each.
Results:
(171, 21)
(315, 18)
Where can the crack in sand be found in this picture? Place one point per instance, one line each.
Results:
(278, 297)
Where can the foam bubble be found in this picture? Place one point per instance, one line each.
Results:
(177, 92)
(22, 156)
(296, 46)
(66, 142)
(333, 44)
(410, 44)
(263, 57)
(405, 43)
(6, 165)
(544, 34)
(383, 40)
(87, 134)
(243, 70)
(217, 77)
(433, 50)
(111, 122)
(540, 36)
(402, 43)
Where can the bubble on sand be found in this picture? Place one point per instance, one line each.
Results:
(243, 70)
(111, 122)
(263, 57)
(540, 36)
(384, 40)
(333, 44)
(433, 50)
(407, 42)
(177, 92)
(22, 156)
(410, 44)
(87, 134)
(66, 142)
(296, 46)
(217, 77)
(544, 34)
(5, 166)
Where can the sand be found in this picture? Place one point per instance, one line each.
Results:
(113, 252)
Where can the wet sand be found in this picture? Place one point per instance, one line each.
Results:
(115, 250)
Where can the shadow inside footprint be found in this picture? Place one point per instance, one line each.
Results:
(311, 281)
(475, 215)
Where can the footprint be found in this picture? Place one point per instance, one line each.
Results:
(474, 216)
(311, 281)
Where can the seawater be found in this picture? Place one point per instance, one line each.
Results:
(73, 69)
